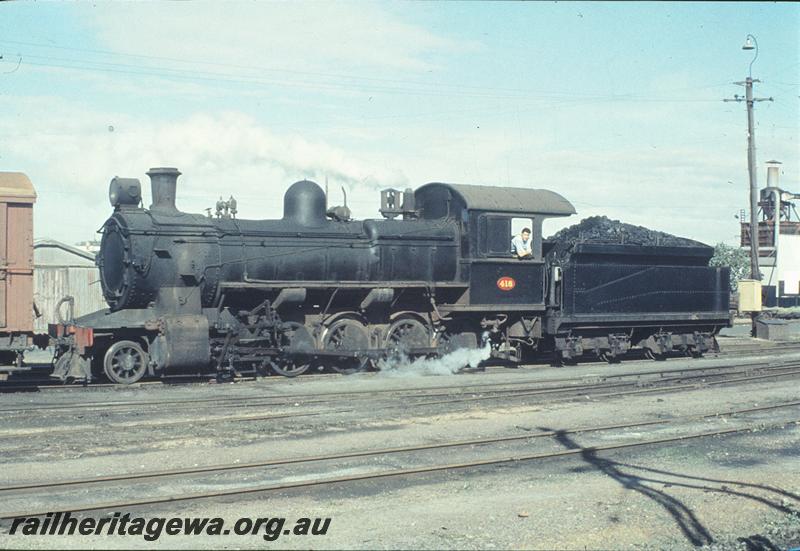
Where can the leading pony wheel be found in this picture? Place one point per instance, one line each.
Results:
(125, 363)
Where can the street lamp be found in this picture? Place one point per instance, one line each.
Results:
(755, 273)
(751, 43)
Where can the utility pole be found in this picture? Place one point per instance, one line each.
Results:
(755, 273)
(752, 44)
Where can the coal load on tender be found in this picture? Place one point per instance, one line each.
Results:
(602, 230)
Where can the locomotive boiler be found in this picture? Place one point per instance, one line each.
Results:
(147, 253)
(191, 293)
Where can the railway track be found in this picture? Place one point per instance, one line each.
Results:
(770, 348)
(582, 392)
(35, 382)
(619, 383)
(8, 492)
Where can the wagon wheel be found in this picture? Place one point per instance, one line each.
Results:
(296, 336)
(406, 334)
(125, 362)
(346, 335)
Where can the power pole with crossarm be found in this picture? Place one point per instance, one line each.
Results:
(751, 44)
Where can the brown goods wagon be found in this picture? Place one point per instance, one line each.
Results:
(17, 197)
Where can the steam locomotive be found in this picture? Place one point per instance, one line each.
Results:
(192, 293)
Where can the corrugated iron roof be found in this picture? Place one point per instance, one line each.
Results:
(52, 243)
(510, 199)
(16, 185)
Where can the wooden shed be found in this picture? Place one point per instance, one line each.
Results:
(63, 270)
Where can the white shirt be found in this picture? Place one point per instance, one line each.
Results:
(518, 245)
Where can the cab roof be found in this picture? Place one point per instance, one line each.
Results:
(511, 200)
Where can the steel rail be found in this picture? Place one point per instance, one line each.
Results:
(659, 387)
(385, 451)
(767, 348)
(52, 385)
(392, 473)
(709, 383)
(271, 400)
(153, 424)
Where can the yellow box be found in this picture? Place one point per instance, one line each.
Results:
(749, 295)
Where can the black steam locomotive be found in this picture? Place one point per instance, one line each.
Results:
(190, 293)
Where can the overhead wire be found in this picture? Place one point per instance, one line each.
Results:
(260, 68)
(349, 82)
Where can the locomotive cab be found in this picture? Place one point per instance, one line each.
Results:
(504, 295)
(489, 218)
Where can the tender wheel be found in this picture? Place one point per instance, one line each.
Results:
(346, 335)
(693, 352)
(406, 334)
(610, 358)
(125, 363)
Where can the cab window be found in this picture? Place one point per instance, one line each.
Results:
(493, 232)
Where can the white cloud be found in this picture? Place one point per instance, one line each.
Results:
(297, 36)
(219, 154)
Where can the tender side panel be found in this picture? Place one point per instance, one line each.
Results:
(638, 280)
(629, 289)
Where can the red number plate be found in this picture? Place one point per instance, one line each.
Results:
(506, 283)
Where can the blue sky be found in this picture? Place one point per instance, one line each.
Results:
(617, 106)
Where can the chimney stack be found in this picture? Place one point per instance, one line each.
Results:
(163, 183)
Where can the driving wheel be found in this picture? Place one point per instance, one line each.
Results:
(287, 367)
(295, 337)
(346, 335)
(407, 334)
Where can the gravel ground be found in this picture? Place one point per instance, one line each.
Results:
(738, 491)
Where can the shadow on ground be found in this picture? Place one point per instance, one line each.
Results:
(652, 483)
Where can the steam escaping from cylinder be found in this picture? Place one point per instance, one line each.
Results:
(402, 366)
